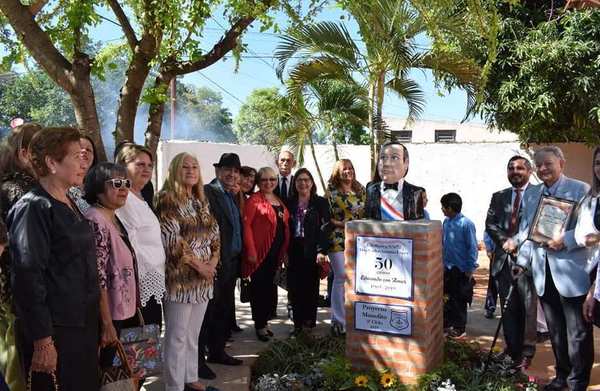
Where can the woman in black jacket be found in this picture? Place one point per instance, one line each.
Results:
(307, 254)
(55, 279)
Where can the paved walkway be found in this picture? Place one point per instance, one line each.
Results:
(247, 347)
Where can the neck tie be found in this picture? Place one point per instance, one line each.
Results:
(388, 186)
(284, 191)
(514, 216)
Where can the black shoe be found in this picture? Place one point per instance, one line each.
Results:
(489, 314)
(205, 372)
(270, 333)
(556, 385)
(262, 336)
(236, 329)
(224, 359)
(542, 337)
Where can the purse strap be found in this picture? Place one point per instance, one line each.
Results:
(52, 375)
(140, 317)
(123, 358)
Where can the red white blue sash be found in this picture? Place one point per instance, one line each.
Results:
(389, 212)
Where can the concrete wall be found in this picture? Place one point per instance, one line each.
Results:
(473, 170)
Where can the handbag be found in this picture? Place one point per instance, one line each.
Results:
(119, 377)
(52, 376)
(280, 278)
(143, 348)
(245, 290)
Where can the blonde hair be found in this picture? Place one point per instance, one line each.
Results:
(173, 182)
(335, 180)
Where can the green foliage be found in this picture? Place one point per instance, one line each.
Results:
(258, 118)
(296, 355)
(34, 97)
(543, 84)
(310, 364)
(201, 115)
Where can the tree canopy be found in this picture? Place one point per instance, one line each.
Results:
(544, 82)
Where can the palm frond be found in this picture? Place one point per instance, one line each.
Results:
(411, 92)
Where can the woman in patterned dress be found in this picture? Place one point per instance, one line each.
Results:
(346, 198)
(190, 237)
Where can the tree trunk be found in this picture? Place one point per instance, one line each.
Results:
(372, 128)
(314, 156)
(129, 98)
(84, 102)
(155, 116)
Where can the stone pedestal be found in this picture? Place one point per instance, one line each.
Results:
(406, 351)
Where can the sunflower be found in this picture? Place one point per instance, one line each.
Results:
(361, 381)
(387, 380)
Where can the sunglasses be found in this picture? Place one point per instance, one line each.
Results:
(268, 179)
(119, 183)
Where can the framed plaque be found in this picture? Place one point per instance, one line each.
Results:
(384, 267)
(551, 219)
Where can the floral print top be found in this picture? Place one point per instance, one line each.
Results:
(116, 269)
(344, 207)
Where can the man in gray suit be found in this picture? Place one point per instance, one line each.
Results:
(502, 222)
(560, 275)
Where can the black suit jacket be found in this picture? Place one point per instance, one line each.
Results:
(230, 263)
(316, 225)
(412, 201)
(291, 191)
(497, 224)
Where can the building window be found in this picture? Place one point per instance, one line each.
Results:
(445, 136)
(402, 136)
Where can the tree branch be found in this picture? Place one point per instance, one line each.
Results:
(38, 43)
(125, 25)
(36, 7)
(220, 49)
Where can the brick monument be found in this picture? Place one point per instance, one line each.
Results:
(394, 296)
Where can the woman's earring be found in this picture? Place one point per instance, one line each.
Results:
(53, 172)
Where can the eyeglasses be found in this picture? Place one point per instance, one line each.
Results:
(119, 183)
(268, 179)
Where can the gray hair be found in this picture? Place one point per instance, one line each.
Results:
(553, 149)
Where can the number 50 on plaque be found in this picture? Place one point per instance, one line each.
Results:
(384, 267)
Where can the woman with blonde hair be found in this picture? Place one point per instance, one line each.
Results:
(266, 239)
(190, 236)
(347, 199)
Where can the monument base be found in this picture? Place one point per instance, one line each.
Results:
(392, 325)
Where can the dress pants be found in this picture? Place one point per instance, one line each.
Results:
(217, 328)
(571, 336)
(456, 283)
(519, 320)
(303, 284)
(183, 322)
(77, 348)
(261, 290)
(338, 311)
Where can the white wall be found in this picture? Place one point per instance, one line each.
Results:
(473, 170)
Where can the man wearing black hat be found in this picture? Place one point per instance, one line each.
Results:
(224, 209)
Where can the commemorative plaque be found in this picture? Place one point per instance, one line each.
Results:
(551, 219)
(383, 318)
(384, 267)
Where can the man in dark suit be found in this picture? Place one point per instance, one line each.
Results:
(285, 163)
(393, 198)
(284, 190)
(223, 208)
(502, 222)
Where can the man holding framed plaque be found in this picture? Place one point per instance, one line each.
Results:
(502, 222)
(558, 265)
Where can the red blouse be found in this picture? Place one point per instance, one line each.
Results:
(260, 225)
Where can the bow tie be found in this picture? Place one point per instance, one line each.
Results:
(388, 186)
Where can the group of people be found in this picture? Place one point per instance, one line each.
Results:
(93, 249)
